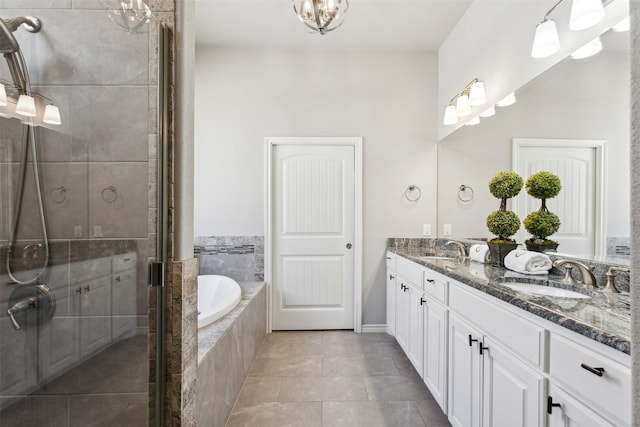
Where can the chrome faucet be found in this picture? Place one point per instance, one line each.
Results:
(462, 249)
(611, 274)
(22, 305)
(587, 279)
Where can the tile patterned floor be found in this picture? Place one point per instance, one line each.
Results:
(332, 379)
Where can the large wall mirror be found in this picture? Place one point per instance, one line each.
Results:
(575, 101)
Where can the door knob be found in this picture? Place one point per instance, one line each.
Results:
(348, 245)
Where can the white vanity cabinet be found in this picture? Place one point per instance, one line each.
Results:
(490, 364)
(123, 295)
(391, 293)
(495, 366)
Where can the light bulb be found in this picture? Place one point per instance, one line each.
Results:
(622, 26)
(507, 100)
(450, 116)
(477, 95)
(545, 40)
(26, 106)
(473, 121)
(462, 106)
(585, 14)
(3, 96)
(491, 111)
(51, 115)
(589, 49)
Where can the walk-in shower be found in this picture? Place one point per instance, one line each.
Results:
(77, 218)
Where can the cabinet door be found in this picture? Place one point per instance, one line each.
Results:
(465, 374)
(571, 413)
(95, 315)
(402, 313)
(391, 302)
(512, 392)
(416, 329)
(123, 303)
(435, 351)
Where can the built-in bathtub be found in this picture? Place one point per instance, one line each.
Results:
(226, 350)
(217, 296)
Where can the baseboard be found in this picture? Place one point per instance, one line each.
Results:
(374, 329)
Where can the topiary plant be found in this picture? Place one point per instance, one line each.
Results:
(542, 223)
(504, 223)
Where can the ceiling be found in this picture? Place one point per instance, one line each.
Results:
(369, 25)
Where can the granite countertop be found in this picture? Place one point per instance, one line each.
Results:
(605, 317)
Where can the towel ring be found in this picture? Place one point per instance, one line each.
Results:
(110, 194)
(58, 194)
(410, 190)
(465, 193)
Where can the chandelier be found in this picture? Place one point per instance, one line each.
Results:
(321, 16)
(129, 14)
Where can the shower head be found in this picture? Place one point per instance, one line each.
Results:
(8, 43)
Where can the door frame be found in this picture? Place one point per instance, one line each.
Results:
(600, 146)
(356, 143)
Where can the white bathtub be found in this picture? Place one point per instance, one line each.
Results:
(217, 295)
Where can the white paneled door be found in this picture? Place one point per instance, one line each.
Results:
(313, 235)
(578, 164)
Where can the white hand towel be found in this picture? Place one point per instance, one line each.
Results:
(480, 253)
(527, 262)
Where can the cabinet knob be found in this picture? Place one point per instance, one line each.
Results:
(595, 371)
(431, 281)
(391, 277)
(422, 301)
(551, 405)
(79, 291)
(87, 288)
(118, 279)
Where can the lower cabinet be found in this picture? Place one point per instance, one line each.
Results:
(415, 344)
(391, 301)
(435, 350)
(488, 385)
(566, 411)
(402, 313)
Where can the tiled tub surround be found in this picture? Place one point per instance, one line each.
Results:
(226, 350)
(605, 318)
(238, 257)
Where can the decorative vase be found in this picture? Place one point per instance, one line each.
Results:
(544, 246)
(499, 251)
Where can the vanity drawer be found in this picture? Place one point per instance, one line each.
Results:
(611, 391)
(391, 261)
(435, 286)
(521, 336)
(410, 271)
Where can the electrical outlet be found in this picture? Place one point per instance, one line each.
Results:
(77, 231)
(97, 231)
(426, 229)
(446, 229)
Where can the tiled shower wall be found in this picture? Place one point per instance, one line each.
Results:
(238, 257)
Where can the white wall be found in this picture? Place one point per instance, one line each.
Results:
(388, 98)
(492, 42)
(586, 99)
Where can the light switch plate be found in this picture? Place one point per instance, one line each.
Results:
(426, 229)
(446, 229)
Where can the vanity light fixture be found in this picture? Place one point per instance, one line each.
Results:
(584, 14)
(489, 112)
(507, 100)
(32, 109)
(460, 105)
(321, 16)
(589, 49)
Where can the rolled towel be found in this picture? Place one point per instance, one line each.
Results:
(528, 262)
(480, 253)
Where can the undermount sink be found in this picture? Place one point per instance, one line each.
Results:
(437, 257)
(531, 288)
